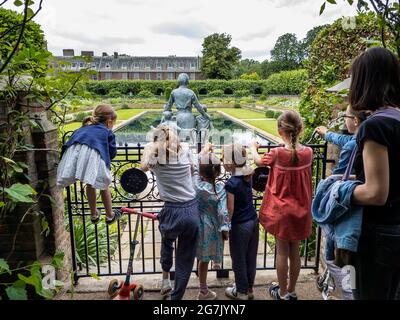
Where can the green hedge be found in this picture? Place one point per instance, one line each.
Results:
(288, 82)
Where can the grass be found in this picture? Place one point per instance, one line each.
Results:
(243, 113)
(268, 125)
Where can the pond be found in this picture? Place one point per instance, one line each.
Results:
(139, 130)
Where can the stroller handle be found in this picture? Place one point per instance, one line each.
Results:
(144, 214)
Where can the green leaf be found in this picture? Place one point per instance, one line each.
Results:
(4, 267)
(16, 293)
(321, 11)
(58, 260)
(19, 192)
(350, 2)
(18, 3)
(2, 204)
(45, 226)
(94, 276)
(331, 1)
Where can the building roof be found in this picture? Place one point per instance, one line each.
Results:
(344, 85)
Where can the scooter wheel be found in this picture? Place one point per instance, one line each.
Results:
(138, 292)
(113, 288)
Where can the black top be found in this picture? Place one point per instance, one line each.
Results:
(244, 209)
(386, 132)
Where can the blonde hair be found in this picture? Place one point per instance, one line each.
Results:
(101, 114)
(165, 147)
(291, 124)
(235, 156)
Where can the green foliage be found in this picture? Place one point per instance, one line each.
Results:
(114, 93)
(242, 93)
(81, 115)
(145, 94)
(277, 114)
(124, 106)
(167, 93)
(270, 114)
(250, 76)
(237, 104)
(262, 97)
(288, 51)
(219, 59)
(216, 93)
(286, 82)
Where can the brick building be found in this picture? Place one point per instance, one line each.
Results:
(124, 67)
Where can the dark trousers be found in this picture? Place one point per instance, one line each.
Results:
(329, 249)
(377, 263)
(179, 221)
(243, 243)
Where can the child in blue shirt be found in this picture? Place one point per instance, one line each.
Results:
(87, 157)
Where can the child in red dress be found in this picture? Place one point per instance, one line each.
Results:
(286, 208)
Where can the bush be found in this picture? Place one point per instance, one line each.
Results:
(114, 93)
(237, 105)
(263, 97)
(145, 94)
(242, 93)
(81, 115)
(286, 82)
(216, 93)
(270, 114)
(167, 93)
(277, 114)
(124, 106)
(196, 92)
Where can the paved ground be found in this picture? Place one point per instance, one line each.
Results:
(91, 289)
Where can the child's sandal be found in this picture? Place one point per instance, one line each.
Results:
(96, 219)
(117, 216)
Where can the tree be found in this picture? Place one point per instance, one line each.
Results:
(286, 51)
(250, 76)
(219, 59)
(388, 13)
(247, 66)
(309, 39)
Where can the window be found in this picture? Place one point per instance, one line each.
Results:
(107, 66)
(136, 76)
(158, 66)
(192, 76)
(147, 76)
(136, 65)
(124, 75)
(147, 65)
(181, 65)
(124, 66)
(169, 65)
(94, 66)
(193, 65)
(81, 65)
(107, 75)
(170, 76)
(159, 76)
(73, 65)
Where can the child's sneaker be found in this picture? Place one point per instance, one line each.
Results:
(274, 292)
(166, 287)
(321, 279)
(117, 216)
(231, 292)
(292, 296)
(216, 266)
(210, 295)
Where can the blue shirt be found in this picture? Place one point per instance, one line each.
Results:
(98, 137)
(346, 144)
(244, 209)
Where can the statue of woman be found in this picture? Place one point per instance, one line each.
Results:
(184, 98)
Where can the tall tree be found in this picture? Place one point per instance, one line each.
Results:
(247, 66)
(306, 43)
(286, 51)
(219, 58)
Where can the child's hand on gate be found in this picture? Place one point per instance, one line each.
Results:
(321, 131)
(225, 235)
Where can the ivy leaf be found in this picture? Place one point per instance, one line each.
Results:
(58, 260)
(321, 11)
(16, 293)
(4, 267)
(45, 226)
(18, 3)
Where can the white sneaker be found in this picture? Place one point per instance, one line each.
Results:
(231, 292)
(166, 287)
(210, 295)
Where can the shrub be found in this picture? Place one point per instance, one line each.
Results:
(114, 93)
(277, 114)
(242, 93)
(196, 92)
(216, 93)
(81, 115)
(263, 97)
(167, 93)
(270, 113)
(124, 106)
(286, 82)
(145, 94)
(237, 105)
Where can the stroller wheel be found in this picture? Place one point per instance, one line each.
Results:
(113, 288)
(138, 292)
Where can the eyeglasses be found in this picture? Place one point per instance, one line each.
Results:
(350, 117)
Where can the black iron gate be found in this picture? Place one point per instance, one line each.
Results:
(104, 250)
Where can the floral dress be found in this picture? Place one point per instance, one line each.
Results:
(214, 219)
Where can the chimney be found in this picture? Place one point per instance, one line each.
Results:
(68, 53)
(105, 54)
(87, 53)
(115, 55)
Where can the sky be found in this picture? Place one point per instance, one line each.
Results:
(178, 27)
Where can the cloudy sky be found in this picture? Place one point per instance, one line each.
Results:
(177, 27)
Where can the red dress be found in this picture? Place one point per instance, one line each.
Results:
(286, 207)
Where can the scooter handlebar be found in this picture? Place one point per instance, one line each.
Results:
(144, 214)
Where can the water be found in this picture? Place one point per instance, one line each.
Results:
(225, 131)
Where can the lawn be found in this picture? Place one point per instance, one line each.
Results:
(243, 113)
(267, 125)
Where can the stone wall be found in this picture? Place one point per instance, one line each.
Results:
(31, 244)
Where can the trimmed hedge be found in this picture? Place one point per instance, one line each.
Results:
(287, 82)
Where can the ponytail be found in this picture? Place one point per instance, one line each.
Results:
(101, 114)
(291, 124)
(295, 157)
(89, 121)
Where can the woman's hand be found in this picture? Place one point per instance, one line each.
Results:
(321, 131)
(225, 235)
